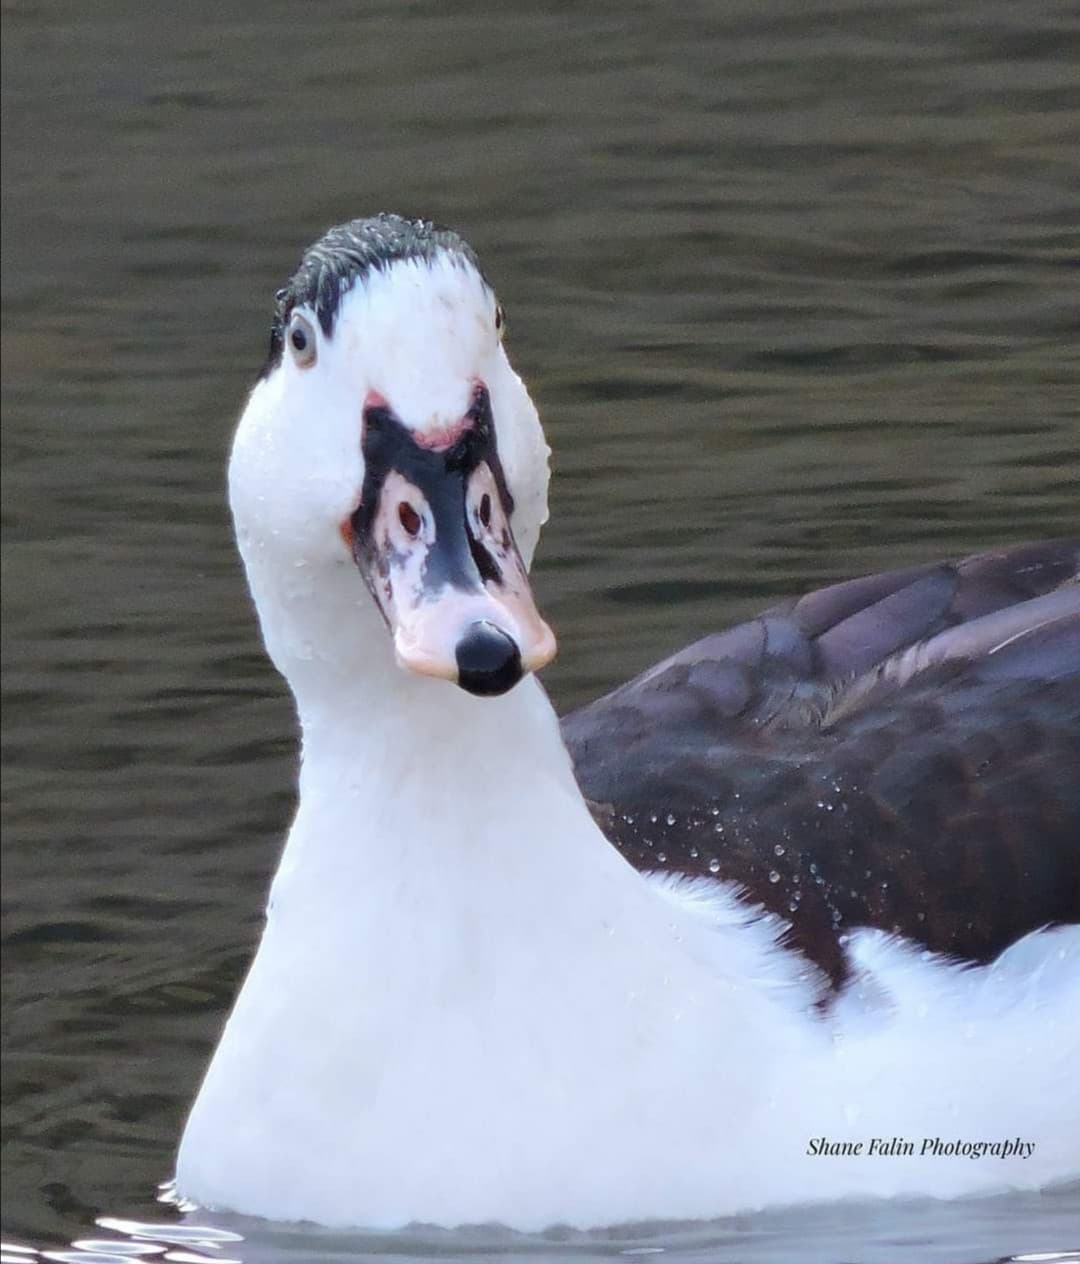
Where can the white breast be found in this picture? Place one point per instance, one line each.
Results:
(467, 1007)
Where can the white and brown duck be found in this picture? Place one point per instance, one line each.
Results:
(814, 877)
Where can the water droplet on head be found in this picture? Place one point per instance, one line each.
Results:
(670, 818)
(774, 877)
(714, 865)
(661, 856)
(778, 850)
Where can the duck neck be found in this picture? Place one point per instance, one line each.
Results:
(409, 785)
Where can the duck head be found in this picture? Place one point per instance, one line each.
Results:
(388, 478)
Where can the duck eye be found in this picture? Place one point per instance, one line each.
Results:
(485, 510)
(500, 321)
(302, 341)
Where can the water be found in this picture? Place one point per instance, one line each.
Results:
(794, 286)
(930, 1233)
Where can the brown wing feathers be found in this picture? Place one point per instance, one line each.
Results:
(900, 751)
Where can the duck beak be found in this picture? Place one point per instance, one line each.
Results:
(432, 540)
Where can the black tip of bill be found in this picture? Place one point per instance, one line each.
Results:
(488, 660)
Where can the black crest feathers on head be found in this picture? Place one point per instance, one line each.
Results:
(347, 254)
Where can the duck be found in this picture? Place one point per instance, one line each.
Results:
(792, 917)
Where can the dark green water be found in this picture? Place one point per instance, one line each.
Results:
(794, 284)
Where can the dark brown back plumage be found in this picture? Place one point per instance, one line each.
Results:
(900, 751)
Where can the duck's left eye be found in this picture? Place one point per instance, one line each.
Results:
(500, 321)
(302, 341)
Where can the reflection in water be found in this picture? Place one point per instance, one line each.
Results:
(180, 1244)
(930, 1233)
(793, 285)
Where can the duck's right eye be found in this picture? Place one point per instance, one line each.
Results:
(302, 341)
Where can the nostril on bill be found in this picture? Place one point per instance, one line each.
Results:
(409, 519)
(488, 660)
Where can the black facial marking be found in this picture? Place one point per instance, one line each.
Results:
(485, 563)
(442, 477)
(349, 253)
